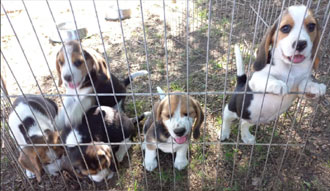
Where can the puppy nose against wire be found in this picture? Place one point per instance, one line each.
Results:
(179, 131)
(302, 44)
(68, 78)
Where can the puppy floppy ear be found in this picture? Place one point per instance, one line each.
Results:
(199, 118)
(58, 67)
(315, 44)
(29, 160)
(159, 108)
(95, 61)
(263, 49)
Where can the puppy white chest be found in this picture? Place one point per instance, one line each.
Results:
(168, 147)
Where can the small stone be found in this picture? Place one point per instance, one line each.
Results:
(256, 181)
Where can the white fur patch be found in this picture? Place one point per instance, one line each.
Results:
(71, 138)
(138, 73)
(102, 175)
(177, 121)
(24, 111)
(159, 90)
(239, 61)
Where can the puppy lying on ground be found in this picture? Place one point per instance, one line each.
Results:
(30, 122)
(72, 71)
(35, 159)
(174, 121)
(100, 162)
(289, 52)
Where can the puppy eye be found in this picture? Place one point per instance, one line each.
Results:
(286, 28)
(168, 116)
(77, 63)
(311, 27)
(61, 63)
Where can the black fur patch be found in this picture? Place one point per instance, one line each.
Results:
(103, 85)
(236, 101)
(25, 126)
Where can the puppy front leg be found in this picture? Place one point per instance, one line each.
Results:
(123, 149)
(275, 86)
(77, 112)
(246, 136)
(181, 160)
(150, 161)
(313, 90)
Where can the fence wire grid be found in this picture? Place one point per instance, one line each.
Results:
(187, 49)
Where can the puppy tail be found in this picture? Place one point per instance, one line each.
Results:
(241, 77)
(127, 81)
(140, 118)
(159, 90)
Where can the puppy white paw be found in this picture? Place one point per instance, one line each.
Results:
(30, 174)
(150, 165)
(277, 87)
(248, 139)
(314, 90)
(120, 156)
(181, 163)
(110, 175)
(224, 134)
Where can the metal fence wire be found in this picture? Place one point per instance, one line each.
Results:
(187, 47)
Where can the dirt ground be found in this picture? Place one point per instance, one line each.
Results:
(213, 166)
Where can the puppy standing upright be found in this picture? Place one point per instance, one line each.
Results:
(289, 52)
(72, 71)
(174, 122)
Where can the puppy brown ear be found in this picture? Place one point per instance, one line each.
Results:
(263, 49)
(95, 61)
(58, 67)
(159, 108)
(315, 44)
(29, 160)
(199, 118)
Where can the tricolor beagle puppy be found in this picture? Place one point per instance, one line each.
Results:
(73, 73)
(100, 163)
(24, 123)
(174, 123)
(289, 51)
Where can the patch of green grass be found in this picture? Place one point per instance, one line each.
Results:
(215, 64)
(176, 87)
(179, 175)
(219, 121)
(235, 187)
(203, 14)
(129, 107)
(229, 153)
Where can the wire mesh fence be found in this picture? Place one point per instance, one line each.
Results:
(187, 48)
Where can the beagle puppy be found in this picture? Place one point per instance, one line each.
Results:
(289, 52)
(29, 121)
(42, 157)
(95, 170)
(174, 122)
(73, 73)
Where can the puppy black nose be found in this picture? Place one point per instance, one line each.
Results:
(179, 131)
(68, 78)
(300, 46)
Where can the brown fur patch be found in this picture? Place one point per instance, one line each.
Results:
(286, 20)
(94, 61)
(95, 153)
(32, 159)
(189, 106)
(59, 62)
(314, 36)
